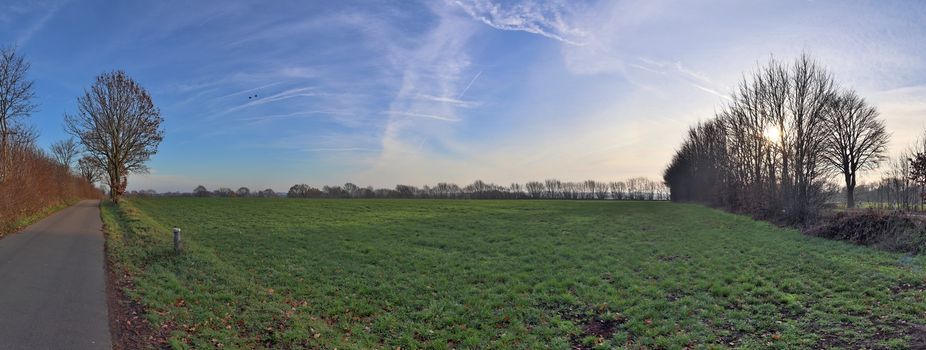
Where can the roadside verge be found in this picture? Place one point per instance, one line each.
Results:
(129, 323)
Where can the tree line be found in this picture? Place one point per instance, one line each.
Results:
(114, 132)
(639, 188)
(635, 189)
(773, 149)
(31, 180)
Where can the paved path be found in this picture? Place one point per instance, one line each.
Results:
(52, 286)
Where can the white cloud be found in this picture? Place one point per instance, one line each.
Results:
(662, 67)
(258, 100)
(448, 100)
(45, 10)
(546, 18)
(430, 72)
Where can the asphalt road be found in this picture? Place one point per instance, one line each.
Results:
(52, 284)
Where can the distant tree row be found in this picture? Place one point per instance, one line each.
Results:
(634, 189)
(773, 148)
(201, 191)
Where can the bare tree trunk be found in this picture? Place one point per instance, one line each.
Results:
(850, 191)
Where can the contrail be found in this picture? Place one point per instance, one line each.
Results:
(468, 85)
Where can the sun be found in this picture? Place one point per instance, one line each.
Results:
(772, 134)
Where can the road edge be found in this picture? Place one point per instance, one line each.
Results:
(128, 327)
(24, 222)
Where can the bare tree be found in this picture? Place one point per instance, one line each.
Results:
(855, 139)
(16, 94)
(351, 189)
(201, 191)
(65, 151)
(764, 151)
(334, 191)
(243, 192)
(119, 126)
(918, 174)
(534, 189)
(87, 168)
(299, 191)
(813, 89)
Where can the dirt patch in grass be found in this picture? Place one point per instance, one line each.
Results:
(876, 340)
(128, 326)
(593, 326)
(918, 337)
(905, 287)
(873, 341)
(600, 328)
(591, 323)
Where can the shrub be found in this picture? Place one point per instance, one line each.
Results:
(894, 231)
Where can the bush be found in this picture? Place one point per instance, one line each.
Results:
(893, 231)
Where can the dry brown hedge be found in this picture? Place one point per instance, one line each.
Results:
(31, 182)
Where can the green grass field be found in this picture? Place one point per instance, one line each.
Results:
(388, 274)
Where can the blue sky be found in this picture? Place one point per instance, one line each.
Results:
(379, 93)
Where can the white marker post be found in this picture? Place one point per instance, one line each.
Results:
(177, 245)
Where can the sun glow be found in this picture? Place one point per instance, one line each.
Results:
(772, 134)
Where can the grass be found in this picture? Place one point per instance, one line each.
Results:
(371, 274)
(24, 221)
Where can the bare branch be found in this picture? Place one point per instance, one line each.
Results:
(64, 152)
(16, 94)
(856, 138)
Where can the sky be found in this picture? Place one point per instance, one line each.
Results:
(273, 93)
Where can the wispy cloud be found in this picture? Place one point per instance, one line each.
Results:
(471, 81)
(341, 149)
(242, 92)
(542, 18)
(696, 79)
(454, 90)
(422, 115)
(599, 52)
(712, 92)
(310, 91)
(449, 100)
(430, 75)
(299, 72)
(48, 10)
(301, 114)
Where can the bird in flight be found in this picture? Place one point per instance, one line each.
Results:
(250, 97)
